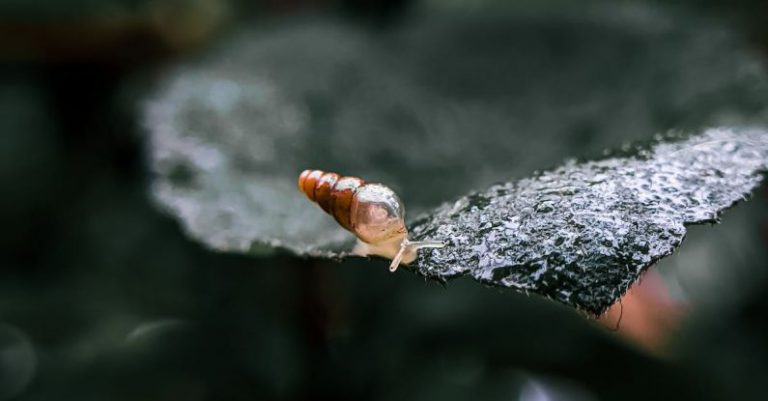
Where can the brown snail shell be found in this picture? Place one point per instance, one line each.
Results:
(371, 211)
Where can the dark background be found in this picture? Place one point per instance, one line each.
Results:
(104, 297)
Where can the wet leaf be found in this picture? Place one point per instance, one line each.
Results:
(582, 233)
(435, 109)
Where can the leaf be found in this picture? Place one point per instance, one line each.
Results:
(434, 109)
(582, 233)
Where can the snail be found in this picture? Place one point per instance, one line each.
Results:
(371, 211)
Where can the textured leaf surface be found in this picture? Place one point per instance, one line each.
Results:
(583, 233)
(436, 109)
(433, 109)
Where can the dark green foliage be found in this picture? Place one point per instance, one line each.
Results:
(103, 297)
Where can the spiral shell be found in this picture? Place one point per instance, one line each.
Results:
(333, 193)
(371, 211)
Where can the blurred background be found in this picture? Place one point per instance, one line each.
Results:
(104, 295)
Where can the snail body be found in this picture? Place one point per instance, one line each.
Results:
(371, 211)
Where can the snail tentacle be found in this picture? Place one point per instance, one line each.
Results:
(412, 246)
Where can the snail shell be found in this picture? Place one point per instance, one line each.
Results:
(371, 211)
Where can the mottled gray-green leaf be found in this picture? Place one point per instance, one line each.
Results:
(434, 108)
(582, 233)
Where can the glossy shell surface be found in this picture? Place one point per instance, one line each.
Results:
(378, 214)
